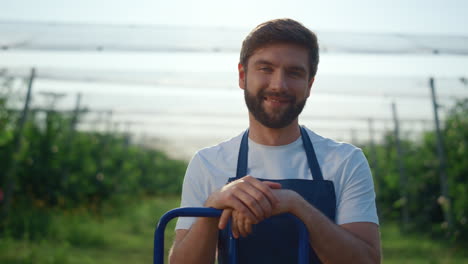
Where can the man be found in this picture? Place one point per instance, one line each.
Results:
(278, 168)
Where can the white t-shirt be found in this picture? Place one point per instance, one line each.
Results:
(341, 163)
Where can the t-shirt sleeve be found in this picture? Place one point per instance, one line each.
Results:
(194, 193)
(357, 203)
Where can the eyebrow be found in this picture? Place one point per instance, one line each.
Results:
(263, 62)
(297, 68)
(293, 68)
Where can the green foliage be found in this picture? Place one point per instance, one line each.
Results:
(117, 235)
(421, 166)
(58, 168)
(456, 144)
(128, 238)
(421, 248)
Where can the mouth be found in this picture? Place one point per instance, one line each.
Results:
(277, 100)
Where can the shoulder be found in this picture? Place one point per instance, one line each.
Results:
(338, 160)
(220, 155)
(346, 166)
(328, 149)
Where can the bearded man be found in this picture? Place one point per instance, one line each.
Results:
(277, 168)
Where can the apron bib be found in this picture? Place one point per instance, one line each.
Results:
(276, 239)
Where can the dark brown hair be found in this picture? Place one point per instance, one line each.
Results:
(281, 31)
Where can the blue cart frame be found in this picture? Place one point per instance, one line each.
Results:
(158, 253)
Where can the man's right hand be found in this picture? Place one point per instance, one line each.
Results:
(253, 200)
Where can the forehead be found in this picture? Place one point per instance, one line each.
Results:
(281, 54)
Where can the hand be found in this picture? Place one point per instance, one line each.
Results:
(242, 225)
(252, 198)
(287, 199)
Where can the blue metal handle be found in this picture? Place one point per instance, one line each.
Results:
(158, 253)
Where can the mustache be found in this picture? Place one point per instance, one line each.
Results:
(276, 94)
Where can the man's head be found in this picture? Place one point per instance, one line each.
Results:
(278, 64)
(281, 31)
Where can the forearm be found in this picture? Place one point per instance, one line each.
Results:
(332, 243)
(198, 245)
(253, 198)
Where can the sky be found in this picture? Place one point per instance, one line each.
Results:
(396, 16)
(168, 87)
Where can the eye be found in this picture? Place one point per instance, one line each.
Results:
(266, 69)
(296, 74)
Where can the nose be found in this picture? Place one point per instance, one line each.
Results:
(278, 81)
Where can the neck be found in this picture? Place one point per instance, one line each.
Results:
(273, 136)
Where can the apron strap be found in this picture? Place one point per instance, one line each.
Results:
(311, 157)
(243, 156)
(309, 149)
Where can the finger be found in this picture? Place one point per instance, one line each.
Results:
(251, 199)
(273, 185)
(224, 219)
(234, 228)
(247, 227)
(264, 188)
(259, 190)
(263, 202)
(239, 206)
(240, 225)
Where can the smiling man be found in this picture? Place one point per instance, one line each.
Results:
(278, 168)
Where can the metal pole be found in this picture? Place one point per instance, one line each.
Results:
(373, 153)
(127, 134)
(464, 81)
(69, 141)
(17, 143)
(97, 126)
(109, 122)
(403, 180)
(76, 112)
(444, 200)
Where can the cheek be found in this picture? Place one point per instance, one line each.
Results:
(254, 81)
(300, 86)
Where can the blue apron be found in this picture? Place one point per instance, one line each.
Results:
(276, 239)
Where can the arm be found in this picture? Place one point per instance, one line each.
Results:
(356, 242)
(357, 239)
(252, 198)
(189, 248)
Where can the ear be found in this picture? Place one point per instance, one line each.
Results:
(241, 70)
(311, 81)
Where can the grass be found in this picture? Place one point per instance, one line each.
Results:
(411, 248)
(126, 236)
(122, 236)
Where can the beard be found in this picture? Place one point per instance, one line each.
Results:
(278, 118)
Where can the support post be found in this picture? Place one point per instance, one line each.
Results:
(76, 113)
(71, 135)
(403, 180)
(373, 153)
(17, 143)
(444, 200)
